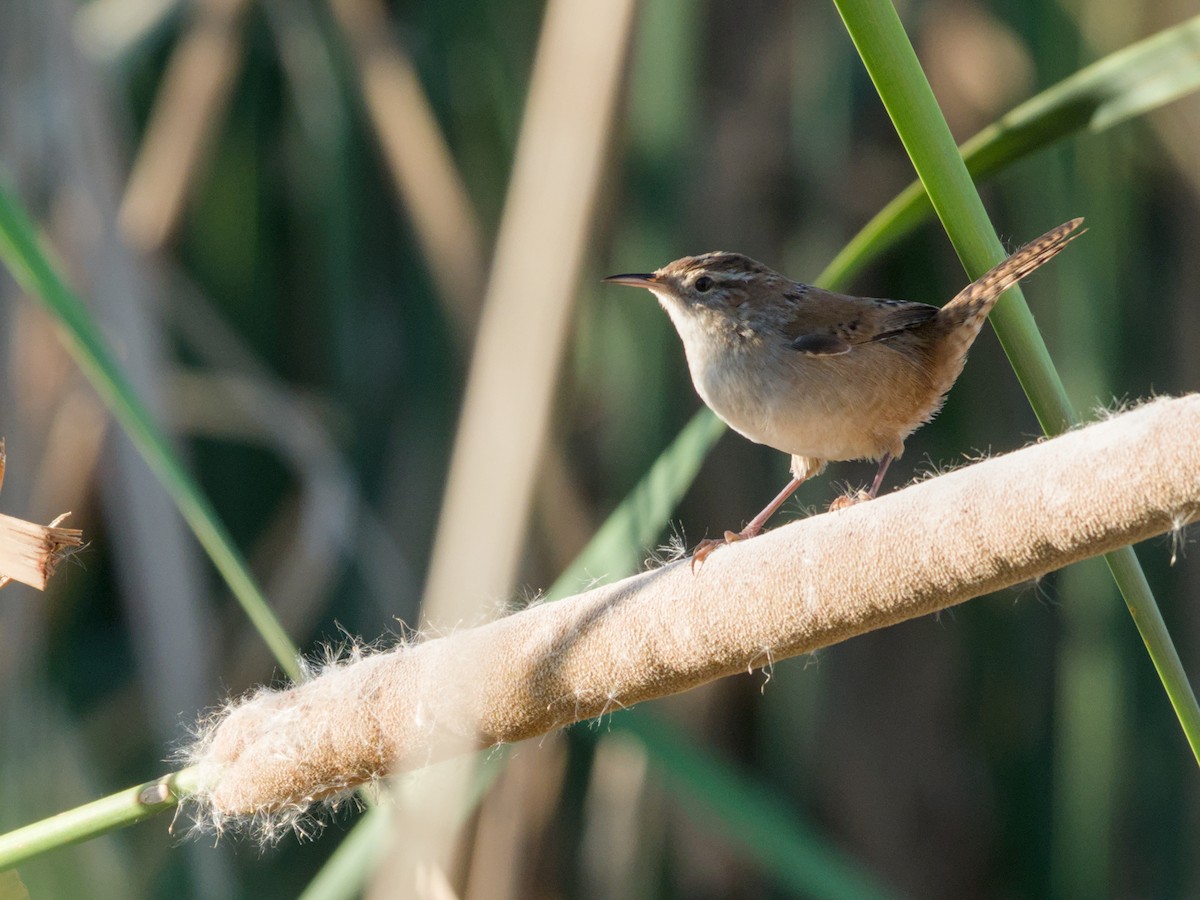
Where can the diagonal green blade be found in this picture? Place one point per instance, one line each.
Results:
(892, 64)
(1125, 84)
(24, 257)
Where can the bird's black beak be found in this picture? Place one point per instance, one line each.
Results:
(633, 280)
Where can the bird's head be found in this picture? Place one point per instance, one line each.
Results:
(717, 282)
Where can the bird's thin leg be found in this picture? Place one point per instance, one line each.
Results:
(883, 467)
(753, 527)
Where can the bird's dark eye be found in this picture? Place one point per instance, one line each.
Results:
(703, 284)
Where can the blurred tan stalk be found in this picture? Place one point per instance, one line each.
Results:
(418, 158)
(540, 248)
(544, 232)
(794, 590)
(183, 123)
(431, 190)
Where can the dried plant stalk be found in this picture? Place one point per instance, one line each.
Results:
(799, 588)
(29, 553)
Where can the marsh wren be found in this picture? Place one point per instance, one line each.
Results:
(819, 375)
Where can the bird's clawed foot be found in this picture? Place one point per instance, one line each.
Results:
(847, 500)
(705, 548)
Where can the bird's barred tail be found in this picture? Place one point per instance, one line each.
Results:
(976, 300)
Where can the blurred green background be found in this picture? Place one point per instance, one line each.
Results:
(234, 188)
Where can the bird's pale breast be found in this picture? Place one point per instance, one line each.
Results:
(857, 405)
